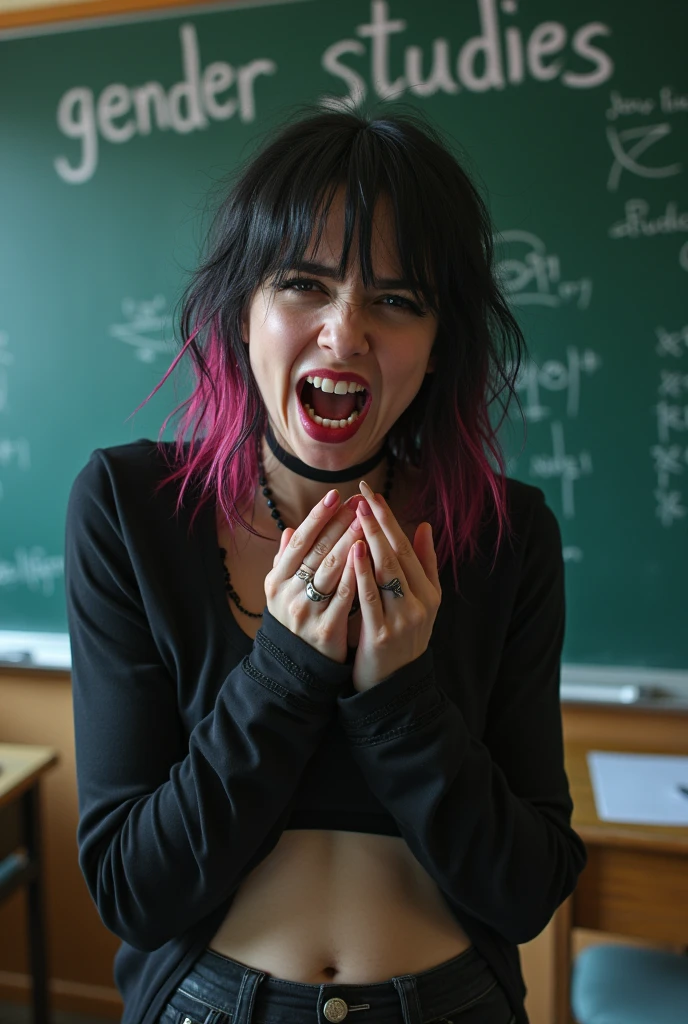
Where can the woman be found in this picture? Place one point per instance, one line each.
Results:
(353, 800)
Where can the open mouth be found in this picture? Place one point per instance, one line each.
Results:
(336, 409)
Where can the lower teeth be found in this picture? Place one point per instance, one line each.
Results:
(331, 423)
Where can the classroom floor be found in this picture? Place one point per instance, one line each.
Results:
(14, 1013)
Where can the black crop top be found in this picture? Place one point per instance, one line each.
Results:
(197, 746)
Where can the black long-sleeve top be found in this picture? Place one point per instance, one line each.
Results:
(197, 746)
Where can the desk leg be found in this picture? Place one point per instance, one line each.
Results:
(37, 946)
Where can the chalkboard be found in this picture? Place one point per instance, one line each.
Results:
(575, 117)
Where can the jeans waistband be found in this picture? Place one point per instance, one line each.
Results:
(218, 984)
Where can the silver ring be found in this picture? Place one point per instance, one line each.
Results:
(314, 595)
(393, 585)
(304, 574)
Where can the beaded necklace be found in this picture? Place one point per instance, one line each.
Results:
(281, 526)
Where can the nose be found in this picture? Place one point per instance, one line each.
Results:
(344, 334)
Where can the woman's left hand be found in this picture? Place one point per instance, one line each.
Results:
(394, 630)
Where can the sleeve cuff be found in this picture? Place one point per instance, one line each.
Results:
(319, 673)
(399, 700)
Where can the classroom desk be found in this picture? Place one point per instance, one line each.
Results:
(635, 882)
(21, 861)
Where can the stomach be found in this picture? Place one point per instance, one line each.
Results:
(339, 906)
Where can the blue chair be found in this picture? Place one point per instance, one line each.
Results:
(629, 985)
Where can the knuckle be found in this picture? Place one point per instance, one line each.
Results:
(326, 631)
(271, 586)
(343, 590)
(389, 564)
(321, 547)
(369, 595)
(329, 561)
(297, 541)
(404, 548)
(416, 616)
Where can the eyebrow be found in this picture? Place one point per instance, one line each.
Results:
(321, 270)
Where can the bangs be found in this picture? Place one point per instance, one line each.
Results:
(293, 206)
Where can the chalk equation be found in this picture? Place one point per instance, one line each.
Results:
(33, 569)
(555, 375)
(670, 454)
(144, 327)
(532, 276)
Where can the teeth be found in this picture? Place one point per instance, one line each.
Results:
(335, 424)
(341, 387)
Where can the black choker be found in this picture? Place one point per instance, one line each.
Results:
(323, 476)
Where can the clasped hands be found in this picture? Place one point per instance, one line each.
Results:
(355, 547)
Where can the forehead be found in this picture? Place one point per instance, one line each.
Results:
(383, 243)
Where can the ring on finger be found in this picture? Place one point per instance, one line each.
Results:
(304, 573)
(315, 595)
(394, 586)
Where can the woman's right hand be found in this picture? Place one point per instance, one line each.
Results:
(322, 544)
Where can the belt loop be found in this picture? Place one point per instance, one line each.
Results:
(408, 994)
(243, 1011)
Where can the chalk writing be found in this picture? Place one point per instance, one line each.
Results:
(627, 159)
(559, 463)
(144, 318)
(533, 276)
(669, 508)
(497, 58)
(668, 101)
(672, 343)
(188, 106)
(637, 224)
(33, 569)
(555, 375)
(502, 55)
(670, 455)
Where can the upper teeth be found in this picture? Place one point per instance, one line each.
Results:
(339, 387)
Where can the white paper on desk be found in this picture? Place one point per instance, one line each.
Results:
(641, 789)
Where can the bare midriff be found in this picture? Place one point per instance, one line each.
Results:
(339, 906)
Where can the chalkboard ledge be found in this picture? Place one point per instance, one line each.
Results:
(35, 650)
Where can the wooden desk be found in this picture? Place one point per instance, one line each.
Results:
(21, 853)
(635, 882)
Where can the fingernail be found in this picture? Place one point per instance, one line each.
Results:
(364, 507)
(367, 490)
(359, 549)
(330, 498)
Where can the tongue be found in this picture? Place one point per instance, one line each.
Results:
(333, 407)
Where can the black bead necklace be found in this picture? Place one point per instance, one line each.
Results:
(281, 526)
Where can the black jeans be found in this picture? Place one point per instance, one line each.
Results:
(218, 990)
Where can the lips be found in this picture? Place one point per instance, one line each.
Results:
(333, 435)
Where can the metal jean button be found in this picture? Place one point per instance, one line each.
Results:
(335, 1009)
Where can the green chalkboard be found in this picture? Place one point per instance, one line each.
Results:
(575, 116)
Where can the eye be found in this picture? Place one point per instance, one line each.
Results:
(298, 284)
(412, 307)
